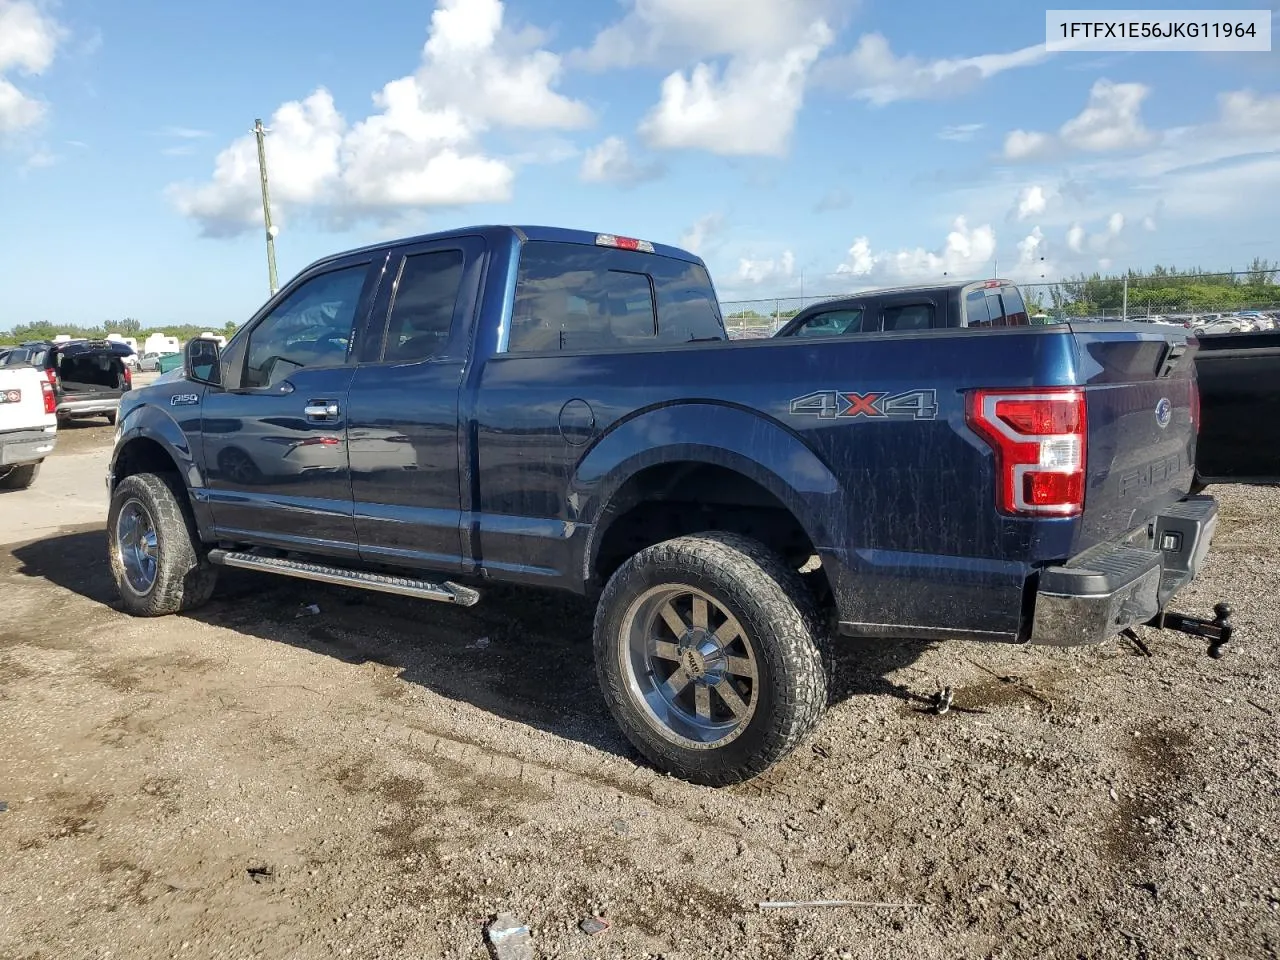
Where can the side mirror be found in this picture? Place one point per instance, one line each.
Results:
(200, 361)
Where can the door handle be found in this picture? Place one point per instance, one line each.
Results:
(322, 410)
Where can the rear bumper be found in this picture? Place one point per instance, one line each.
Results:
(88, 408)
(25, 446)
(1114, 586)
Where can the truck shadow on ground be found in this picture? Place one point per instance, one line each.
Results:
(521, 654)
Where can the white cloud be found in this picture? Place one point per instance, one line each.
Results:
(611, 162)
(967, 251)
(961, 133)
(1031, 253)
(1025, 144)
(185, 133)
(1031, 202)
(702, 234)
(1075, 238)
(29, 40)
(1115, 223)
(671, 32)
(748, 108)
(775, 270)
(421, 148)
(871, 71)
(1244, 112)
(1110, 121)
(1149, 224)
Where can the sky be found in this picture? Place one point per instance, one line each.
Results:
(798, 146)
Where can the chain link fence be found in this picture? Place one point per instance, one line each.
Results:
(1193, 297)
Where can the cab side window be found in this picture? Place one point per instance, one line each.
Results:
(313, 327)
(832, 323)
(422, 312)
(907, 316)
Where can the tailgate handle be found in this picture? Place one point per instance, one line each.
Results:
(1172, 354)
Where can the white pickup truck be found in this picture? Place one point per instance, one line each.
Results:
(28, 425)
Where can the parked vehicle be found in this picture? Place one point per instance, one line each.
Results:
(977, 303)
(88, 376)
(561, 409)
(151, 361)
(28, 425)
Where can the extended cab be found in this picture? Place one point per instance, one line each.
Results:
(563, 409)
(28, 425)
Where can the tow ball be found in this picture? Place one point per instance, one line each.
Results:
(1217, 631)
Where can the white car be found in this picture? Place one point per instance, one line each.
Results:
(151, 361)
(28, 424)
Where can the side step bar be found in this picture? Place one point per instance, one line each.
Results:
(400, 586)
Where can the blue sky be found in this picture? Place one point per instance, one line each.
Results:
(833, 143)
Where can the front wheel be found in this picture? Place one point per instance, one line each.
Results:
(155, 554)
(709, 652)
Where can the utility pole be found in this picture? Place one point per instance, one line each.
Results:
(260, 132)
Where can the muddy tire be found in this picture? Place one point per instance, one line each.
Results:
(709, 652)
(155, 554)
(21, 476)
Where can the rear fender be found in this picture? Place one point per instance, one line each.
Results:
(717, 434)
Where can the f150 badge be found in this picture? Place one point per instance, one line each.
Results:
(831, 404)
(184, 399)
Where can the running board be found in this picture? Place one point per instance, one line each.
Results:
(400, 586)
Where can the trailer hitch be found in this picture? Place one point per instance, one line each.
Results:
(1217, 631)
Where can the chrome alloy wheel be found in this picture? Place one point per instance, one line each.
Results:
(689, 666)
(136, 546)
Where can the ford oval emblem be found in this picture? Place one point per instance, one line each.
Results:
(1164, 412)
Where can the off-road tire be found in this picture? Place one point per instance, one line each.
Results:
(778, 614)
(21, 476)
(184, 577)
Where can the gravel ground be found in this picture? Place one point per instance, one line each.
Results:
(379, 779)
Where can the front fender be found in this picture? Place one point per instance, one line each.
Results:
(722, 435)
(149, 422)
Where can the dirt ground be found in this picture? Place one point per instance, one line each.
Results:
(379, 779)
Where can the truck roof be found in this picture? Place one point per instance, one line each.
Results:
(502, 233)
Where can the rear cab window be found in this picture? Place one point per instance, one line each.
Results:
(995, 306)
(902, 317)
(572, 296)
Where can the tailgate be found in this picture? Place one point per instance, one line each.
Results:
(1140, 386)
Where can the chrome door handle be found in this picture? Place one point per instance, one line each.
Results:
(321, 410)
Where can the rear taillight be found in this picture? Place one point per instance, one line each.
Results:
(50, 396)
(52, 376)
(128, 376)
(1039, 442)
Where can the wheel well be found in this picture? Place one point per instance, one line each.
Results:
(677, 499)
(143, 455)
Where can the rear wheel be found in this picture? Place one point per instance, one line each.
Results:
(156, 557)
(111, 419)
(708, 649)
(20, 477)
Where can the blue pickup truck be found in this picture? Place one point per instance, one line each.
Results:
(564, 409)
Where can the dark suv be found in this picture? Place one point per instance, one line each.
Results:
(88, 376)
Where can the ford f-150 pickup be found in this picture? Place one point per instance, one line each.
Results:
(563, 409)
